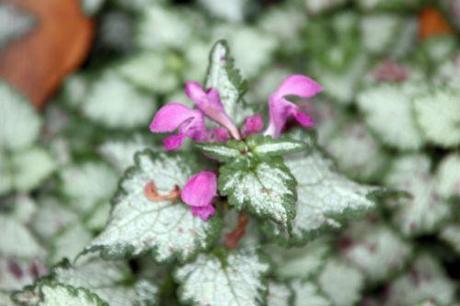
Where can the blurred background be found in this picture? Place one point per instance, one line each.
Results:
(81, 80)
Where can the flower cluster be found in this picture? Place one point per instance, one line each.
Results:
(200, 191)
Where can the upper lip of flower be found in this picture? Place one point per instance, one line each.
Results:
(210, 104)
(281, 109)
(190, 122)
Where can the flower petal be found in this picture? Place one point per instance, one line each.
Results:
(281, 109)
(219, 135)
(297, 85)
(303, 119)
(204, 212)
(172, 116)
(211, 105)
(252, 125)
(200, 189)
(173, 142)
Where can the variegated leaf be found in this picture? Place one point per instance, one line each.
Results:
(341, 283)
(325, 198)
(425, 280)
(165, 228)
(279, 294)
(376, 250)
(438, 114)
(448, 176)
(386, 103)
(50, 293)
(223, 76)
(129, 107)
(19, 123)
(264, 188)
(424, 210)
(234, 279)
(308, 294)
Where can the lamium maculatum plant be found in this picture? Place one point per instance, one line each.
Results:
(232, 188)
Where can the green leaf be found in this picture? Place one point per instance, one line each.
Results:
(279, 294)
(52, 217)
(377, 250)
(223, 152)
(438, 114)
(223, 76)
(307, 293)
(87, 184)
(246, 37)
(17, 240)
(6, 300)
(50, 293)
(370, 5)
(448, 176)
(379, 31)
(19, 122)
(392, 103)
(424, 210)
(166, 229)
(268, 146)
(341, 283)
(25, 169)
(432, 283)
(342, 85)
(234, 279)
(31, 167)
(451, 234)
(69, 242)
(356, 151)
(325, 197)
(120, 153)
(111, 281)
(265, 188)
(129, 107)
(299, 262)
(256, 145)
(161, 27)
(152, 71)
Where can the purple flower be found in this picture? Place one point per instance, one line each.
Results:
(281, 109)
(190, 123)
(199, 193)
(175, 116)
(210, 104)
(252, 125)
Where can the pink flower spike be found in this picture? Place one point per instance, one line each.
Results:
(200, 189)
(252, 125)
(281, 109)
(173, 142)
(210, 104)
(204, 213)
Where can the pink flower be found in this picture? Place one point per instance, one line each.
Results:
(199, 193)
(281, 109)
(190, 123)
(252, 125)
(175, 116)
(210, 104)
(219, 135)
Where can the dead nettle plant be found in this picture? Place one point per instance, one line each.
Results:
(231, 182)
